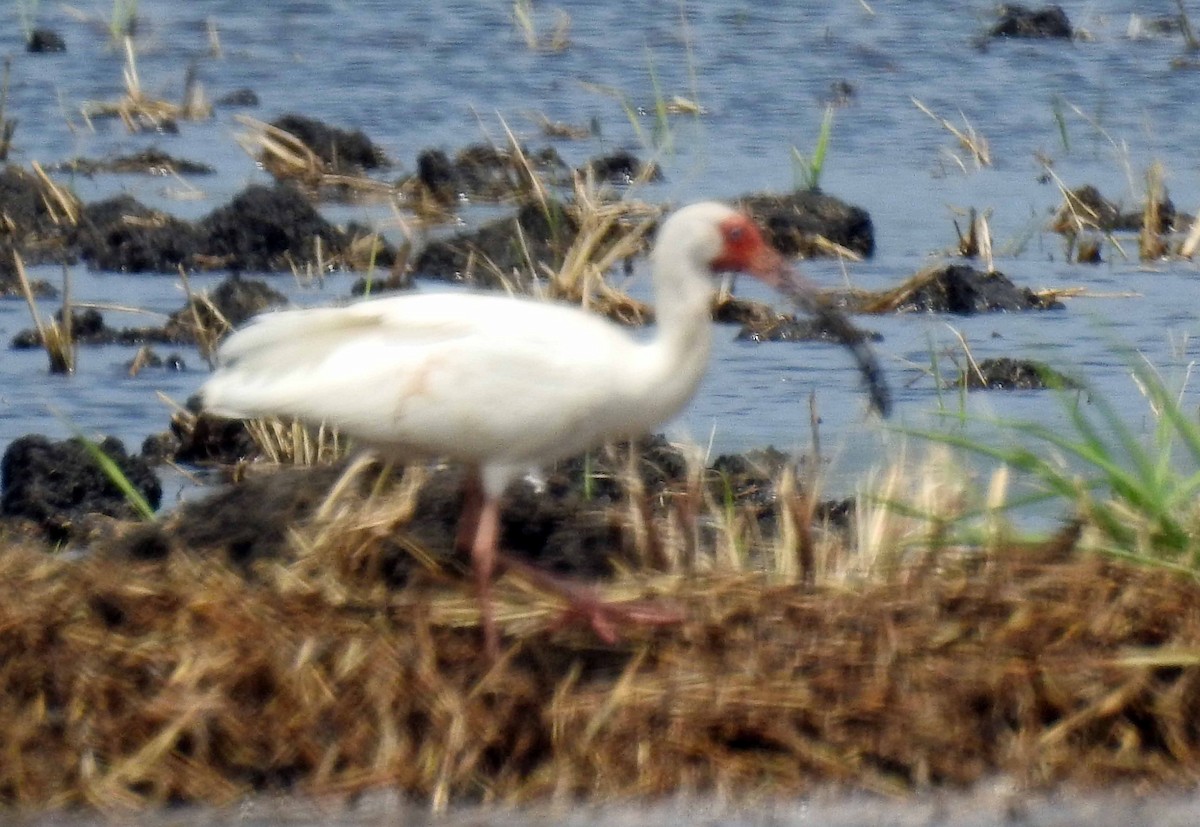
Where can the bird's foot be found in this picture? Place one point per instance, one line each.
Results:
(583, 604)
(604, 618)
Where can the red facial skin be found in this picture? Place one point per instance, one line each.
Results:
(745, 250)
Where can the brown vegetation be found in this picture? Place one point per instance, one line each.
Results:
(182, 680)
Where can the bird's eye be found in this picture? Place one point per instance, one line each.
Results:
(734, 234)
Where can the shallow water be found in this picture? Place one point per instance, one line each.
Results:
(445, 74)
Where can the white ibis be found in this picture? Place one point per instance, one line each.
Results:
(501, 384)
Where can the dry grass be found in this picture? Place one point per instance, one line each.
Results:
(288, 158)
(289, 442)
(557, 40)
(139, 111)
(55, 335)
(610, 232)
(1152, 245)
(976, 145)
(133, 684)
(977, 242)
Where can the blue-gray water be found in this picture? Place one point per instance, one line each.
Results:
(445, 74)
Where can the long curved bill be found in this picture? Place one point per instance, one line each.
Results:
(771, 268)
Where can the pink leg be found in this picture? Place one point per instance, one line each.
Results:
(479, 533)
(586, 605)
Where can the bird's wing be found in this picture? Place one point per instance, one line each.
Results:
(475, 377)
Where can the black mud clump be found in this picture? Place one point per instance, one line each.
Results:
(621, 167)
(789, 328)
(31, 225)
(484, 172)
(251, 520)
(575, 521)
(1021, 21)
(87, 328)
(268, 228)
(58, 485)
(239, 98)
(341, 150)
(260, 229)
(959, 288)
(797, 223)
(762, 323)
(494, 256)
(121, 234)
(560, 531)
(203, 439)
(149, 359)
(234, 301)
(1014, 374)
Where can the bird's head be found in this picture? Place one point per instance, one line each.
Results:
(702, 239)
(721, 239)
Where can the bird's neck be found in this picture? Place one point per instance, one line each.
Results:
(683, 339)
